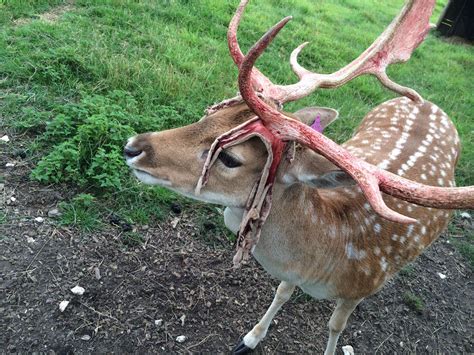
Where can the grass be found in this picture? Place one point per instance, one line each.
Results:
(79, 85)
(11, 10)
(407, 271)
(414, 302)
(461, 233)
(81, 212)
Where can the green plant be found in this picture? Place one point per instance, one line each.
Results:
(81, 212)
(132, 239)
(414, 302)
(407, 271)
(465, 247)
(211, 228)
(3, 218)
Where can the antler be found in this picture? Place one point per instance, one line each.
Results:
(370, 178)
(394, 45)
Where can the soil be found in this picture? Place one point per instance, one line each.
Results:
(140, 298)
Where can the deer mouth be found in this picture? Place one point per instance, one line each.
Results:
(149, 179)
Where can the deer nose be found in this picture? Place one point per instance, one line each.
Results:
(131, 152)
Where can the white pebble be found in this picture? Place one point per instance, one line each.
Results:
(159, 322)
(12, 199)
(465, 215)
(180, 339)
(441, 276)
(5, 139)
(9, 165)
(78, 290)
(39, 219)
(63, 305)
(348, 350)
(86, 337)
(175, 222)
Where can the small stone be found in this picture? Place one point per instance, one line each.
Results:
(159, 322)
(63, 305)
(39, 219)
(30, 240)
(86, 337)
(9, 165)
(54, 213)
(78, 290)
(175, 222)
(12, 199)
(402, 343)
(441, 276)
(181, 339)
(97, 273)
(348, 350)
(182, 319)
(5, 139)
(465, 215)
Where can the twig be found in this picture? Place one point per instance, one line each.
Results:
(378, 347)
(99, 313)
(202, 341)
(39, 251)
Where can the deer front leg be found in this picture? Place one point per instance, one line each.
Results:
(338, 321)
(250, 341)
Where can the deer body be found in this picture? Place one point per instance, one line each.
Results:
(330, 232)
(318, 239)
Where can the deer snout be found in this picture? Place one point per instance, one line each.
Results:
(136, 146)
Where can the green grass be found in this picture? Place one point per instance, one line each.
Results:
(414, 302)
(81, 212)
(3, 218)
(11, 10)
(466, 248)
(79, 86)
(408, 271)
(131, 239)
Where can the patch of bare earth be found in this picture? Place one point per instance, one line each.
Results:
(50, 16)
(140, 298)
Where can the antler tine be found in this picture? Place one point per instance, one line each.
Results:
(232, 42)
(369, 177)
(300, 71)
(259, 81)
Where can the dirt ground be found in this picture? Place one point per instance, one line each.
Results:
(141, 298)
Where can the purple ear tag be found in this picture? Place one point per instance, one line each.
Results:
(316, 125)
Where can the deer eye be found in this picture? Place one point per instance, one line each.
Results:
(228, 160)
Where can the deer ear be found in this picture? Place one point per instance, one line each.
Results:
(331, 180)
(309, 114)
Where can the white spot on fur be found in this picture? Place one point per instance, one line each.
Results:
(377, 228)
(353, 253)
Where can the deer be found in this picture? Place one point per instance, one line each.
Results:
(337, 221)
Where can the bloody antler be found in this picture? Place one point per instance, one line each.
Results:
(370, 178)
(394, 45)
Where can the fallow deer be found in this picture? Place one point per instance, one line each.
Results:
(311, 212)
